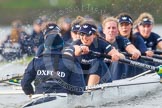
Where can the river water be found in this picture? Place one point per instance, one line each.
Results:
(149, 101)
(14, 101)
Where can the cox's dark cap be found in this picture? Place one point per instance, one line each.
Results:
(88, 29)
(146, 21)
(75, 27)
(126, 19)
(54, 41)
(51, 27)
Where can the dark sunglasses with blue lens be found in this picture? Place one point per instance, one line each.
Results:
(84, 34)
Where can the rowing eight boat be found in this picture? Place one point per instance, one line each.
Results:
(116, 91)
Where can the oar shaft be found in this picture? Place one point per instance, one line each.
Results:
(157, 52)
(142, 74)
(138, 64)
(157, 56)
(3, 79)
(130, 62)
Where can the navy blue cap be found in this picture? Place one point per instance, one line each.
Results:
(126, 19)
(88, 29)
(54, 41)
(75, 27)
(51, 27)
(146, 21)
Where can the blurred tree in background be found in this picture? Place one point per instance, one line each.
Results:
(28, 10)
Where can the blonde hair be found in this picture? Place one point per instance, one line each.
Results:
(89, 21)
(135, 24)
(78, 20)
(108, 19)
(145, 15)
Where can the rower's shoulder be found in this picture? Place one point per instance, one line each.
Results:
(153, 34)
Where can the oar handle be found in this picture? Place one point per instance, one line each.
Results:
(157, 52)
(157, 56)
(98, 54)
(131, 62)
(145, 58)
(141, 57)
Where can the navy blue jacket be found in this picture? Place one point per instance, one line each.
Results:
(152, 41)
(122, 43)
(40, 50)
(53, 72)
(118, 70)
(98, 45)
(95, 65)
(138, 42)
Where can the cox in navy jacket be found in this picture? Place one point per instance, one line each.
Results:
(53, 72)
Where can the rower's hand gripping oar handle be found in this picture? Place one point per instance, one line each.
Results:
(144, 58)
(154, 56)
(130, 62)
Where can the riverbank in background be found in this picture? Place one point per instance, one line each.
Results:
(27, 10)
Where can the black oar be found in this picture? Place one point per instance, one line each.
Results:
(157, 56)
(145, 58)
(9, 77)
(157, 52)
(133, 63)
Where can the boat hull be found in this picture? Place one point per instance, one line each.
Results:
(107, 93)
